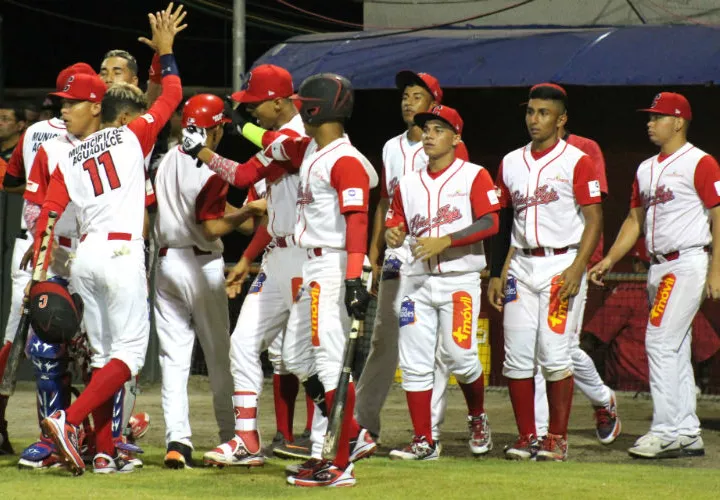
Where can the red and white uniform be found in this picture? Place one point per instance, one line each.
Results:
(104, 176)
(19, 166)
(676, 192)
(546, 192)
(441, 297)
(190, 295)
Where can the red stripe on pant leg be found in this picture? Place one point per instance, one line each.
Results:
(419, 404)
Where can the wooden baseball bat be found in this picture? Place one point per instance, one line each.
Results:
(337, 413)
(7, 386)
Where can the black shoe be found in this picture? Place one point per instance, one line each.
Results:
(178, 456)
(5, 446)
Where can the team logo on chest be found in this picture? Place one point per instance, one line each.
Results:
(543, 195)
(445, 215)
(663, 194)
(305, 196)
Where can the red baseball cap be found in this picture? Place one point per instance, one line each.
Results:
(444, 113)
(83, 87)
(671, 104)
(267, 81)
(74, 69)
(426, 80)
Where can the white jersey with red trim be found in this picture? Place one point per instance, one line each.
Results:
(319, 221)
(179, 182)
(438, 207)
(105, 177)
(400, 158)
(542, 192)
(675, 216)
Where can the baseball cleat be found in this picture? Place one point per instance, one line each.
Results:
(39, 455)
(5, 446)
(480, 442)
(105, 464)
(65, 437)
(525, 448)
(692, 446)
(309, 465)
(362, 446)
(178, 456)
(139, 425)
(128, 451)
(233, 452)
(419, 449)
(651, 446)
(607, 422)
(327, 475)
(296, 450)
(553, 448)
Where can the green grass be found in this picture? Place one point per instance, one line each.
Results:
(593, 471)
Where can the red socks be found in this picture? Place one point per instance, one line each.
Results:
(285, 391)
(474, 393)
(560, 394)
(102, 419)
(419, 404)
(4, 355)
(350, 427)
(310, 406)
(245, 404)
(522, 396)
(102, 387)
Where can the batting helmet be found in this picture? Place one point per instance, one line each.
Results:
(204, 111)
(55, 314)
(325, 97)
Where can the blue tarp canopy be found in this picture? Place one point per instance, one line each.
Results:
(499, 57)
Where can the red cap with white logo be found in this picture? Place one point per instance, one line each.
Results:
(405, 78)
(444, 113)
(265, 82)
(76, 68)
(83, 87)
(671, 104)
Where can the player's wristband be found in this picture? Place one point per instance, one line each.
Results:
(253, 133)
(168, 65)
(156, 69)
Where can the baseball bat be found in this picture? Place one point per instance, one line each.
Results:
(7, 386)
(337, 413)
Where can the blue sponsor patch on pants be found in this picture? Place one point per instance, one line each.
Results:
(257, 285)
(510, 290)
(391, 268)
(407, 312)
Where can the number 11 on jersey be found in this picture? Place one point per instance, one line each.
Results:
(91, 167)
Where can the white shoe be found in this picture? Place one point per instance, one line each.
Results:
(105, 464)
(480, 442)
(233, 452)
(692, 446)
(362, 447)
(651, 446)
(418, 449)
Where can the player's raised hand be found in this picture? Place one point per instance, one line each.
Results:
(427, 248)
(712, 287)
(570, 279)
(164, 26)
(395, 236)
(193, 140)
(496, 293)
(599, 270)
(236, 278)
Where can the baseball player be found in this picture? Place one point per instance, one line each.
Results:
(104, 177)
(552, 215)
(16, 180)
(587, 379)
(674, 202)
(440, 285)
(402, 155)
(190, 283)
(331, 228)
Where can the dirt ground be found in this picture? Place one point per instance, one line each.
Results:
(635, 412)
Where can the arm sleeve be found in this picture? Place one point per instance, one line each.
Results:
(290, 150)
(351, 181)
(39, 179)
(383, 185)
(636, 198)
(484, 201)
(500, 243)
(244, 175)
(396, 213)
(707, 181)
(210, 201)
(148, 126)
(586, 185)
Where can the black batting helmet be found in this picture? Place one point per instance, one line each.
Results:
(55, 314)
(325, 97)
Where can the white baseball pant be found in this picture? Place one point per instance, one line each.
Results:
(190, 301)
(20, 279)
(379, 372)
(676, 288)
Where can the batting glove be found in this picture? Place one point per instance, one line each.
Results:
(239, 119)
(357, 298)
(193, 140)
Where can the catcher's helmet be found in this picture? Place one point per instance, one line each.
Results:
(55, 314)
(204, 111)
(325, 97)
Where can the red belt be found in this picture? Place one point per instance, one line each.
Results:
(113, 236)
(284, 241)
(65, 242)
(164, 250)
(542, 251)
(317, 252)
(670, 256)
